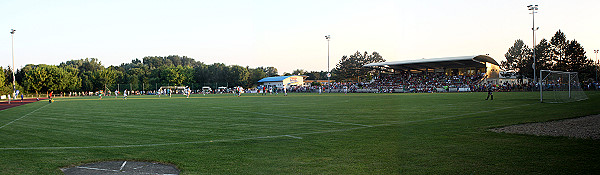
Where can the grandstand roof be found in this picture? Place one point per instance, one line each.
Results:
(433, 63)
(272, 79)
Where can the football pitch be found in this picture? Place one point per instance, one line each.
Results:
(442, 133)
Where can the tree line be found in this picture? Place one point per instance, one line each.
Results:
(90, 75)
(558, 54)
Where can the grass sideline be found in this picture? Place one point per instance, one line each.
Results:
(442, 133)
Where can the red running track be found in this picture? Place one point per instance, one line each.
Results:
(14, 103)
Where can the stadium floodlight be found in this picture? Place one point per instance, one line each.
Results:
(533, 9)
(560, 87)
(597, 64)
(12, 37)
(328, 37)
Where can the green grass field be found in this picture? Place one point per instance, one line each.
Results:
(299, 134)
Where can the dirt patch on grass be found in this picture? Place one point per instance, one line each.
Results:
(583, 127)
(122, 168)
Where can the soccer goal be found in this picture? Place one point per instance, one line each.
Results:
(560, 87)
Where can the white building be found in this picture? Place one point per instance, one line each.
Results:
(282, 81)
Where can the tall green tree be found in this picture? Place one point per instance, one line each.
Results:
(314, 75)
(255, 76)
(543, 56)
(104, 77)
(238, 75)
(518, 58)
(37, 79)
(86, 67)
(299, 72)
(218, 73)
(51, 78)
(4, 88)
(351, 67)
(575, 57)
(270, 71)
(559, 46)
(558, 54)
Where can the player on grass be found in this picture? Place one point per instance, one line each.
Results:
(490, 90)
(345, 90)
(238, 91)
(187, 92)
(125, 94)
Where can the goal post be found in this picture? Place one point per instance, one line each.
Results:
(560, 87)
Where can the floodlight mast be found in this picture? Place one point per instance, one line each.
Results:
(533, 9)
(328, 37)
(597, 64)
(12, 37)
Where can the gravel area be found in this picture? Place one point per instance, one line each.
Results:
(583, 127)
(122, 168)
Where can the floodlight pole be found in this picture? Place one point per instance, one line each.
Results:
(328, 37)
(533, 8)
(12, 37)
(596, 52)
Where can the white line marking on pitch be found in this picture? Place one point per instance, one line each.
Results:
(454, 116)
(254, 138)
(99, 169)
(294, 117)
(122, 166)
(293, 137)
(23, 116)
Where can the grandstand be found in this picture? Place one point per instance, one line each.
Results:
(449, 74)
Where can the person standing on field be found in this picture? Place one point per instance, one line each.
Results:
(490, 90)
(125, 94)
(187, 92)
(345, 90)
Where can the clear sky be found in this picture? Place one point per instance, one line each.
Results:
(287, 35)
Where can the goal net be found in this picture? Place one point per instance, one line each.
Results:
(560, 87)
